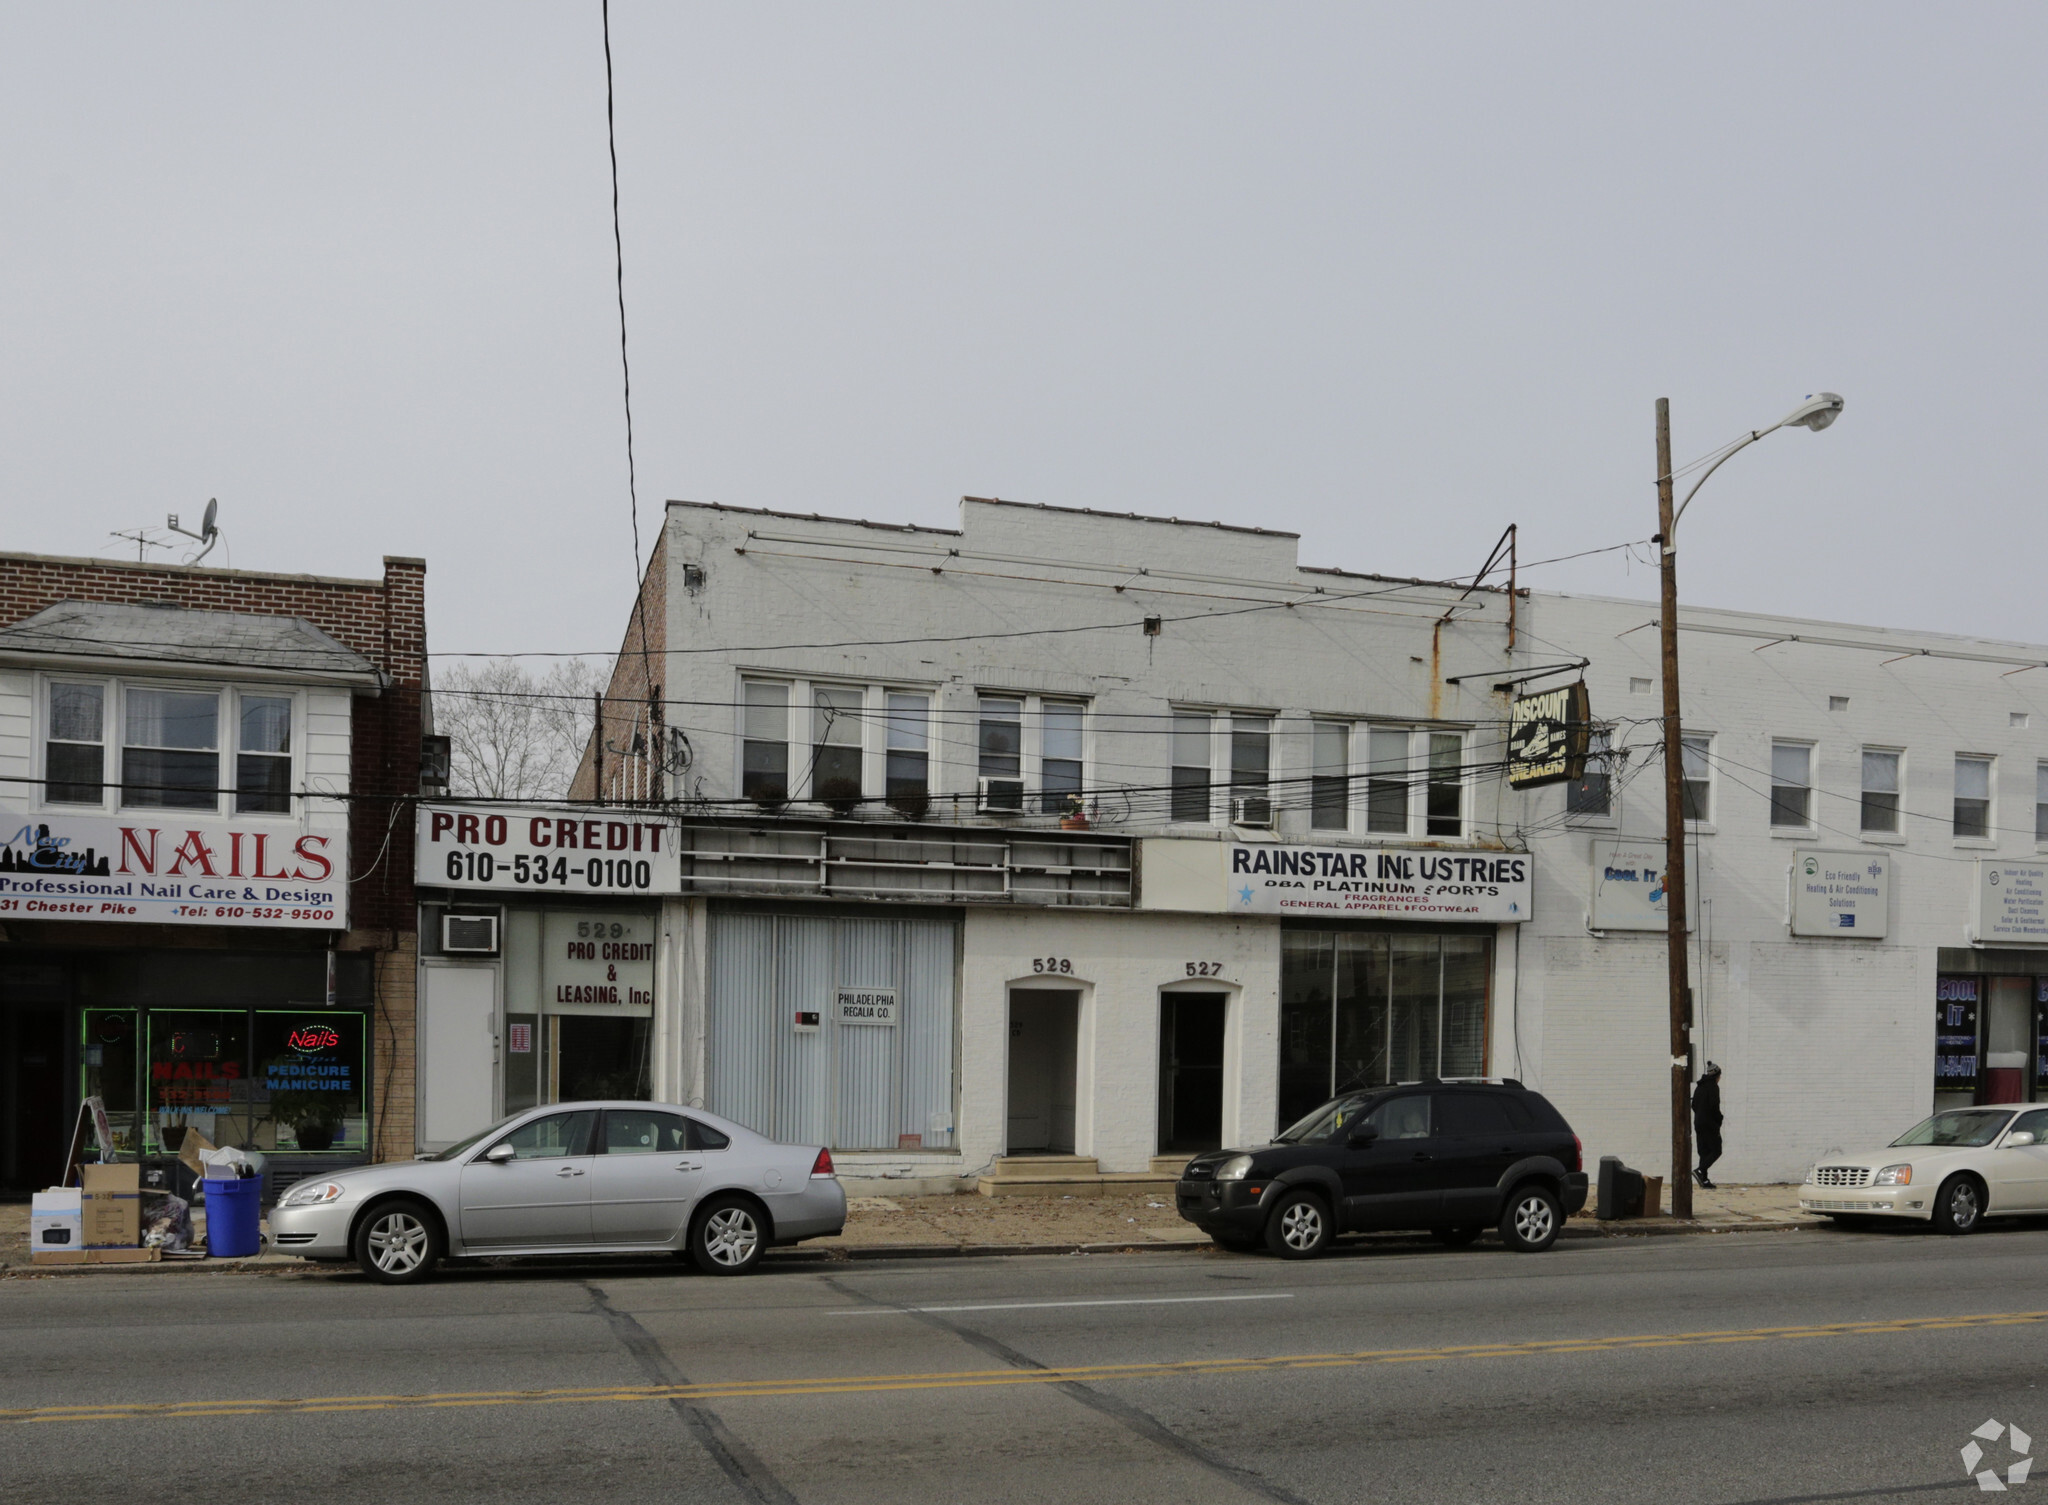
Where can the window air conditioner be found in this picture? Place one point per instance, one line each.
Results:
(469, 934)
(1251, 810)
(1001, 797)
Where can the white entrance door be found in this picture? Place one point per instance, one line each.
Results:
(458, 1052)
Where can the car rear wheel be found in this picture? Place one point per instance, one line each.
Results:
(1299, 1227)
(399, 1243)
(1455, 1238)
(728, 1237)
(1959, 1205)
(1530, 1221)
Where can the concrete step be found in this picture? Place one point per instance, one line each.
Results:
(1044, 1165)
(1170, 1165)
(1073, 1184)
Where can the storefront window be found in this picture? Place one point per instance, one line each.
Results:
(110, 1055)
(310, 1083)
(1366, 1008)
(198, 1073)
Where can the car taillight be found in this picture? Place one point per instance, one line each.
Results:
(822, 1166)
(1578, 1154)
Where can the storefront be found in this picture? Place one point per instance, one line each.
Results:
(1991, 1030)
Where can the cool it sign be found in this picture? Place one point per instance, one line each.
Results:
(276, 876)
(1282, 878)
(546, 851)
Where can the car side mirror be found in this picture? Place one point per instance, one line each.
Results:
(498, 1154)
(1362, 1136)
(2019, 1137)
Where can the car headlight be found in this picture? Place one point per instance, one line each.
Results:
(1813, 1174)
(1236, 1168)
(311, 1193)
(1893, 1175)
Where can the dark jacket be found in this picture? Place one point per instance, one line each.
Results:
(1706, 1104)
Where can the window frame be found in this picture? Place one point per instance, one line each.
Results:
(1987, 836)
(228, 694)
(1804, 807)
(1330, 791)
(1864, 793)
(1222, 781)
(2041, 802)
(1601, 754)
(1034, 761)
(1703, 820)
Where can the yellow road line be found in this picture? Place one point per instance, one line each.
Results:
(980, 1378)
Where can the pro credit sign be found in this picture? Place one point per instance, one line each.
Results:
(171, 871)
(546, 851)
(1380, 882)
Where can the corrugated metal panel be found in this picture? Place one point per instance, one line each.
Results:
(926, 1027)
(864, 1116)
(741, 967)
(804, 981)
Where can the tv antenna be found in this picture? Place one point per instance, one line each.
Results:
(142, 540)
(208, 534)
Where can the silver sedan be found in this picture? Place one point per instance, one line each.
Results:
(571, 1178)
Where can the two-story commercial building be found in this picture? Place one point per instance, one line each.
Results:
(206, 907)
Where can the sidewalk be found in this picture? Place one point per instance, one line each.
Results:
(952, 1225)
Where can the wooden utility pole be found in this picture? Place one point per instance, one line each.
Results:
(1674, 835)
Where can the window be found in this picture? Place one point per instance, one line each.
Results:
(1059, 768)
(2041, 802)
(1592, 793)
(1792, 784)
(1446, 812)
(1002, 739)
(908, 770)
(1330, 777)
(559, 1136)
(169, 750)
(1191, 767)
(764, 743)
(1697, 786)
(1973, 796)
(1386, 781)
(263, 756)
(637, 1132)
(1639, 686)
(836, 745)
(1251, 754)
(74, 754)
(1880, 791)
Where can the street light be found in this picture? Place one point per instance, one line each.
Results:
(1818, 411)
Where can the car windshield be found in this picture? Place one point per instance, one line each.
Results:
(461, 1145)
(1967, 1127)
(1327, 1120)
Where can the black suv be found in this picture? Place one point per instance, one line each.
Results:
(1455, 1158)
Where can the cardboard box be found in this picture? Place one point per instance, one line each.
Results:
(56, 1219)
(98, 1256)
(112, 1206)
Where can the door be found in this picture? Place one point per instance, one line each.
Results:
(1190, 1072)
(458, 1052)
(1476, 1144)
(39, 1119)
(643, 1179)
(1040, 1111)
(1393, 1182)
(541, 1196)
(2021, 1171)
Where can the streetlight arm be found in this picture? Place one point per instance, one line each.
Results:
(1816, 413)
(1732, 451)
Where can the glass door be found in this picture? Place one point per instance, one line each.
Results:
(111, 1071)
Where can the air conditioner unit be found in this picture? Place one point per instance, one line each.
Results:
(1252, 810)
(469, 934)
(1001, 797)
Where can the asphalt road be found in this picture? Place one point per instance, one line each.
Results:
(1752, 1368)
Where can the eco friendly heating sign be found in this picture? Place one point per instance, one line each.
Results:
(867, 1006)
(1846, 895)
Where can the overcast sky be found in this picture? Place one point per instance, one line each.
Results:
(1391, 276)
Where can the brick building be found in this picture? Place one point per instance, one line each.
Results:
(206, 901)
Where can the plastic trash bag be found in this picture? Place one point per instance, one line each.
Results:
(166, 1222)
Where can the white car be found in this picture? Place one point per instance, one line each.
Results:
(1953, 1170)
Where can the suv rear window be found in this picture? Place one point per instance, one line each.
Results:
(1472, 1113)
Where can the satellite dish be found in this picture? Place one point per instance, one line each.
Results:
(207, 528)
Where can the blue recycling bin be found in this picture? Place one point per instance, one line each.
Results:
(234, 1209)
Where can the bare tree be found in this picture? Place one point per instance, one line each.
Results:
(515, 735)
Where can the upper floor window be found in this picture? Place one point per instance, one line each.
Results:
(2041, 802)
(1330, 776)
(836, 745)
(1191, 756)
(1592, 793)
(1386, 780)
(1792, 784)
(1880, 791)
(74, 754)
(1446, 805)
(1251, 756)
(1002, 738)
(170, 756)
(907, 768)
(263, 757)
(764, 742)
(1696, 787)
(1060, 759)
(1973, 796)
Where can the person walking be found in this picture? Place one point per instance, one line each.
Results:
(1706, 1122)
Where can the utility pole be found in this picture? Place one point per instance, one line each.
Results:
(1674, 834)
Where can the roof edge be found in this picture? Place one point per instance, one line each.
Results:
(1133, 517)
(134, 567)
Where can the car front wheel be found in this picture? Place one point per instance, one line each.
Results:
(728, 1238)
(1959, 1205)
(1530, 1222)
(1299, 1227)
(399, 1243)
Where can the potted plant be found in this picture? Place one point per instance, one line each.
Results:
(1075, 816)
(315, 1118)
(839, 794)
